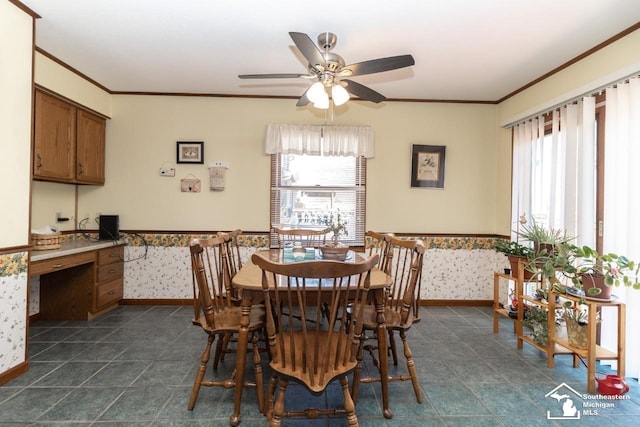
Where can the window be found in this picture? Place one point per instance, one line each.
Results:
(555, 170)
(307, 189)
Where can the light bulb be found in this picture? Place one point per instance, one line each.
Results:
(316, 92)
(339, 94)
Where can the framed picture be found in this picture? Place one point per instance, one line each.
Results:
(190, 152)
(427, 166)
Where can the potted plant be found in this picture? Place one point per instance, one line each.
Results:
(597, 273)
(537, 319)
(338, 227)
(545, 240)
(588, 270)
(575, 319)
(517, 253)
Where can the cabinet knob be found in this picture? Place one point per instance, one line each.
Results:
(39, 165)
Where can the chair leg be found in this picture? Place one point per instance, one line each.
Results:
(411, 367)
(201, 371)
(357, 373)
(278, 408)
(219, 353)
(349, 404)
(258, 372)
(273, 382)
(392, 348)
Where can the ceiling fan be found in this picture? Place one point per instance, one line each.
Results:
(330, 70)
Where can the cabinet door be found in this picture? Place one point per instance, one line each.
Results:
(54, 139)
(90, 148)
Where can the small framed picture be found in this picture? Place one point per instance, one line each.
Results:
(190, 152)
(427, 166)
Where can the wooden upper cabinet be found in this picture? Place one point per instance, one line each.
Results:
(69, 142)
(90, 148)
(54, 155)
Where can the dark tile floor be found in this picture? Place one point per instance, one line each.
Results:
(135, 365)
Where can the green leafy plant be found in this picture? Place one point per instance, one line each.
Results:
(616, 269)
(512, 248)
(544, 239)
(578, 262)
(537, 319)
(337, 226)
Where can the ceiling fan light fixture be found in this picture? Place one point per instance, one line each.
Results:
(322, 103)
(339, 94)
(316, 92)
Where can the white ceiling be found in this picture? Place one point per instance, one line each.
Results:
(464, 49)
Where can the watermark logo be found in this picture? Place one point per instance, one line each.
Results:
(571, 405)
(567, 406)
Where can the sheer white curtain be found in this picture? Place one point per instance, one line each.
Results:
(622, 204)
(329, 140)
(554, 173)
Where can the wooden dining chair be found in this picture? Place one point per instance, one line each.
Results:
(405, 259)
(218, 317)
(306, 237)
(379, 243)
(233, 259)
(312, 353)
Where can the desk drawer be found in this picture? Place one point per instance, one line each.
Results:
(108, 293)
(110, 271)
(60, 263)
(111, 255)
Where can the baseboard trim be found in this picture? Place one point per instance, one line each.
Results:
(429, 302)
(163, 301)
(457, 302)
(14, 372)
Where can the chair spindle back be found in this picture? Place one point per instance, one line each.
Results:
(307, 238)
(405, 259)
(379, 243)
(208, 274)
(310, 349)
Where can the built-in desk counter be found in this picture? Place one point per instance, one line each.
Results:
(80, 280)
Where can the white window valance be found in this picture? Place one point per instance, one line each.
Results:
(328, 140)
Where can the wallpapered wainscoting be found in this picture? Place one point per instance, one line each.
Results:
(13, 307)
(157, 267)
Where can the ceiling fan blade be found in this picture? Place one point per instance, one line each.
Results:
(379, 65)
(308, 48)
(271, 76)
(363, 92)
(303, 100)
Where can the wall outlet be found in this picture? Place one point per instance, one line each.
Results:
(167, 172)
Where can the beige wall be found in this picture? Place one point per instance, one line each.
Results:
(614, 62)
(143, 132)
(16, 64)
(62, 81)
(15, 123)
